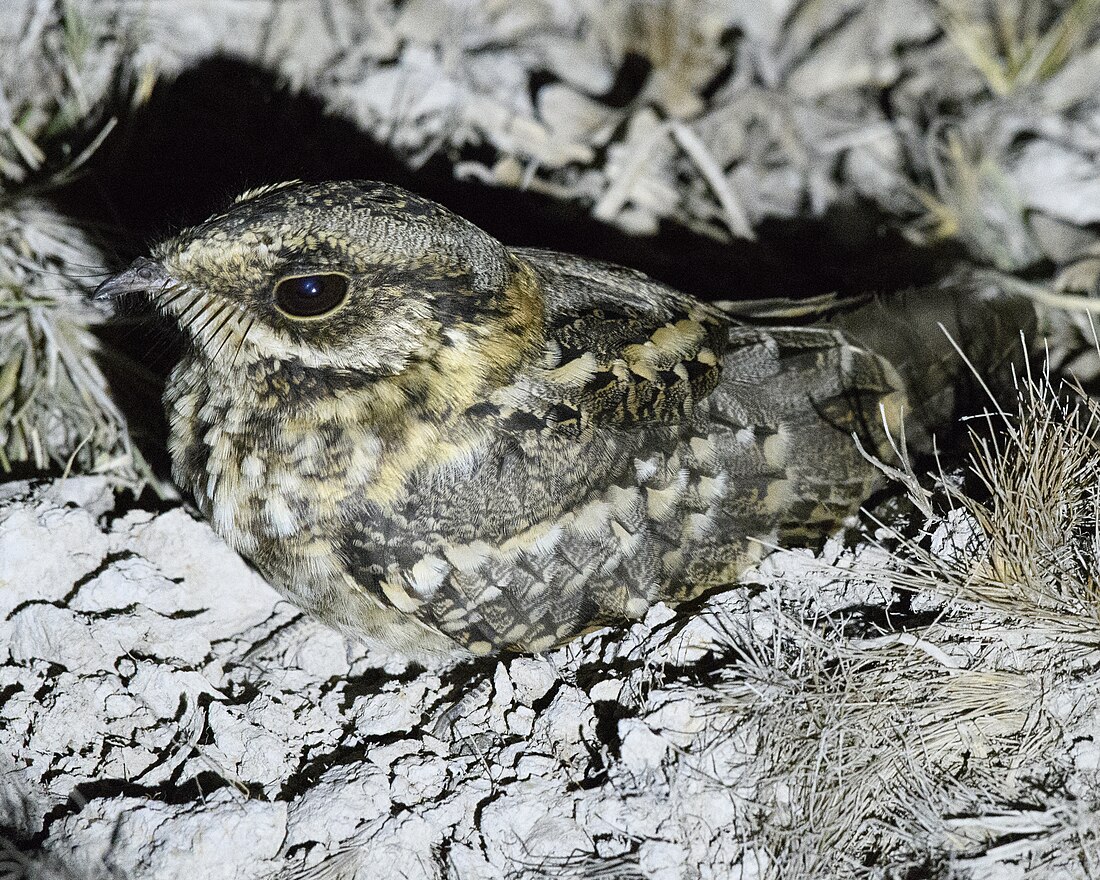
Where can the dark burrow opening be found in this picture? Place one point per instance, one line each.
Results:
(226, 125)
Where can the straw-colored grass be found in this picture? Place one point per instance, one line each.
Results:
(56, 411)
(1014, 44)
(1033, 551)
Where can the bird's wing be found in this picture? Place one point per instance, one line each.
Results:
(624, 469)
(623, 351)
(546, 529)
(627, 366)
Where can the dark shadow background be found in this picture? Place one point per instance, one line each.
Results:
(226, 125)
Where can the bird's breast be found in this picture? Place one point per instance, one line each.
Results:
(273, 484)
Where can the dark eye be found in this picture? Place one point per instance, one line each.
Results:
(307, 296)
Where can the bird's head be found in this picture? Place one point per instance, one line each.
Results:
(355, 278)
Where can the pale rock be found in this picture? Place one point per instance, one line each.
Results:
(642, 750)
(130, 581)
(256, 745)
(662, 860)
(575, 117)
(504, 692)
(229, 837)
(337, 804)
(539, 827)
(677, 717)
(520, 721)
(659, 613)
(607, 690)
(161, 689)
(418, 778)
(468, 861)
(94, 495)
(392, 712)
(31, 568)
(404, 849)
(535, 766)
(583, 65)
(318, 651)
(182, 547)
(59, 635)
(385, 755)
(531, 678)
(1086, 757)
(15, 491)
(567, 724)
(1060, 240)
(147, 633)
(1059, 181)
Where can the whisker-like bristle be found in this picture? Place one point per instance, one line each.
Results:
(244, 337)
(234, 314)
(165, 306)
(217, 331)
(173, 292)
(167, 289)
(187, 326)
(216, 310)
(184, 318)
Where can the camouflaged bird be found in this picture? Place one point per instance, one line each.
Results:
(437, 443)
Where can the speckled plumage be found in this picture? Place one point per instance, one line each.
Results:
(491, 449)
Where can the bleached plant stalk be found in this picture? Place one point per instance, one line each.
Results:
(55, 409)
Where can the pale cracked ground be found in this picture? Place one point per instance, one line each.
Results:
(164, 714)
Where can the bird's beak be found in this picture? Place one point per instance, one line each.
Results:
(142, 275)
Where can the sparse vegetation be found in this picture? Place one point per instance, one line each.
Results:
(56, 412)
(1018, 43)
(881, 753)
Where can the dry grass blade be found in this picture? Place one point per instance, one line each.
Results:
(1013, 43)
(1033, 548)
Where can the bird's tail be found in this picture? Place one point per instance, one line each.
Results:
(953, 347)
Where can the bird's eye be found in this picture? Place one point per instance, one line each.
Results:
(307, 296)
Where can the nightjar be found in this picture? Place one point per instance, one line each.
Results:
(441, 444)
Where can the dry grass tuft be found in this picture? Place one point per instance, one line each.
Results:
(1033, 548)
(910, 750)
(56, 412)
(973, 199)
(859, 748)
(55, 409)
(1017, 43)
